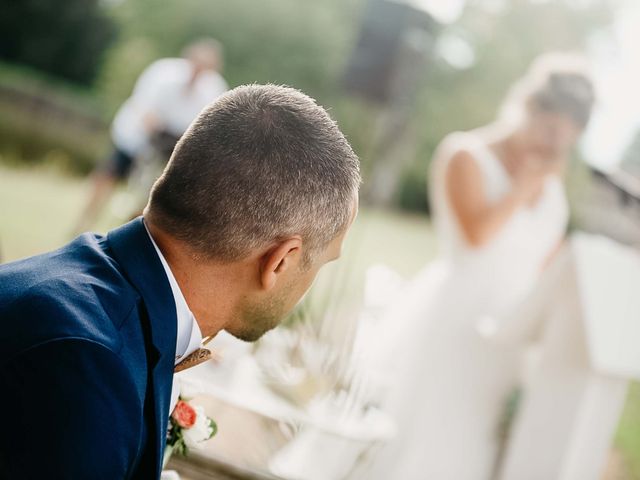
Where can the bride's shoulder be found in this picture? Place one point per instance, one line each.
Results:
(457, 146)
(463, 140)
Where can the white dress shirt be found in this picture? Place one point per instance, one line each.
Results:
(162, 91)
(189, 337)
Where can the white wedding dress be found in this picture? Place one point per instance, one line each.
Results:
(447, 384)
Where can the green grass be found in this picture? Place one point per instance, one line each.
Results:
(38, 207)
(628, 435)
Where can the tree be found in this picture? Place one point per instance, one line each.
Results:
(66, 39)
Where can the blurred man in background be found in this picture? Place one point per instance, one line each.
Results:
(166, 98)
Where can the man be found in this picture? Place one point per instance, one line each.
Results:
(167, 96)
(258, 195)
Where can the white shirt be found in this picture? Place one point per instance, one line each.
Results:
(162, 91)
(189, 337)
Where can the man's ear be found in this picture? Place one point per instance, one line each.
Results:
(278, 259)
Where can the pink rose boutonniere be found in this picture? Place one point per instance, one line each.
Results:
(189, 427)
(184, 415)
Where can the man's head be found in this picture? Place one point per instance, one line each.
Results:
(262, 179)
(204, 54)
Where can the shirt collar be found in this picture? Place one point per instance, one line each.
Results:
(189, 336)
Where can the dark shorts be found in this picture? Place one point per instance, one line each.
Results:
(118, 164)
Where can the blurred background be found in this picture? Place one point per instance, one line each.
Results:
(397, 76)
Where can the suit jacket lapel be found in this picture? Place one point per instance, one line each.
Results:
(137, 257)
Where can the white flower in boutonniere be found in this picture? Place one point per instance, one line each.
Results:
(189, 428)
(202, 430)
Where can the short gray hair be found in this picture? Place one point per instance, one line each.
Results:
(261, 163)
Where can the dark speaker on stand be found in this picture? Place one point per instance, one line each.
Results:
(391, 51)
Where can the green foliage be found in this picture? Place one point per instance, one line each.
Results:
(627, 438)
(299, 43)
(307, 44)
(413, 194)
(66, 38)
(45, 119)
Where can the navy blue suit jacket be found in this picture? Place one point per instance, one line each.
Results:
(87, 346)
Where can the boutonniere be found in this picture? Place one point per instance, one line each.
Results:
(189, 428)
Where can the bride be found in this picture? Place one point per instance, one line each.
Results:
(499, 212)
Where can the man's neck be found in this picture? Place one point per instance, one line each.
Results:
(208, 288)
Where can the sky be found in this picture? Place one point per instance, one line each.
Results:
(616, 67)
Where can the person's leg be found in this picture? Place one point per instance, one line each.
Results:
(104, 181)
(154, 159)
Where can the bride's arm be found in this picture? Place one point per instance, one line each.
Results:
(480, 219)
(553, 254)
